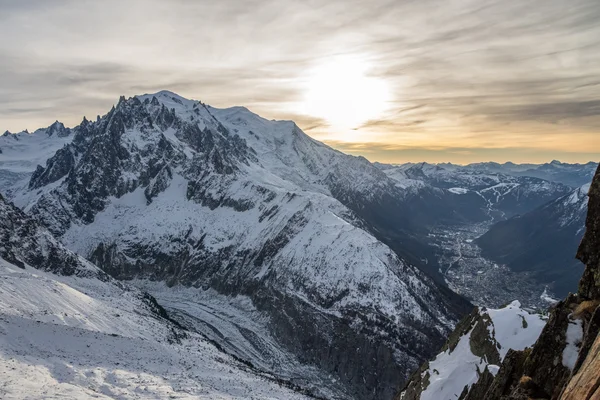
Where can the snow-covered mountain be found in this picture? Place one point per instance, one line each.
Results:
(573, 175)
(68, 330)
(482, 276)
(480, 342)
(543, 241)
(168, 189)
(21, 153)
(501, 195)
(295, 258)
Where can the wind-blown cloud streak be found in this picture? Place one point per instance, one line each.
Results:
(471, 79)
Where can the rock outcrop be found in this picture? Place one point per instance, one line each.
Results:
(474, 352)
(564, 363)
(166, 189)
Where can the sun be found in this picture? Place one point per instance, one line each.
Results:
(341, 92)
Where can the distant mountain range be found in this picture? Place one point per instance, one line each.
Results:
(167, 189)
(538, 216)
(573, 175)
(300, 261)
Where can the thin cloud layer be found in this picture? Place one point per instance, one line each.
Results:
(471, 79)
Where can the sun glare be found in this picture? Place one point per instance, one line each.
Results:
(341, 92)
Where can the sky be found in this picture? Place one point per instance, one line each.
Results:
(393, 80)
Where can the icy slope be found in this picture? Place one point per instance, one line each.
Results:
(79, 338)
(68, 330)
(480, 342)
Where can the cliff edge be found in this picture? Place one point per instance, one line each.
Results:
(564, 362)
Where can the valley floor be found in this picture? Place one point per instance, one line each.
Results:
(482, 281)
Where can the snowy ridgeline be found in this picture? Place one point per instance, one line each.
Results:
(68, 337)
(489, 335)
(260, 205)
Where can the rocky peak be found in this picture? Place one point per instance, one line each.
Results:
(55, 129)
(138, 143)
(26, 244)
(564, 362)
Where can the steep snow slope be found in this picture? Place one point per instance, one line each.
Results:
(21, 153)
(68, 330)
(169, 189)
(68, 337)
(481, 342)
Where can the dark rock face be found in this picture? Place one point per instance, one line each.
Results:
(62, 163)
(143, 149)
(589, 252)
(544, 362)
(510, 371)
(539, 372)
(24, 243)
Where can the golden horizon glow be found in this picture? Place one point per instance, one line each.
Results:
(406, 80)
(340, 91)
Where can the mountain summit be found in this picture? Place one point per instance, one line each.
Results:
(171, 190)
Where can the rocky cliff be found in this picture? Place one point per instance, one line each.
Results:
(166, 189)
(564, 363)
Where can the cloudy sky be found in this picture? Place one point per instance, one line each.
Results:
(393, 80)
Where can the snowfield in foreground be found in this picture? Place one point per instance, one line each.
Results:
(78, 338)
(486, 337)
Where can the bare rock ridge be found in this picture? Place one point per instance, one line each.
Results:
(564, 362)
(166, 189)
(63, 322)
(313, 266)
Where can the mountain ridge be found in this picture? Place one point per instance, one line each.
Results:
(165, 189)
(329, 248)
(563, 362)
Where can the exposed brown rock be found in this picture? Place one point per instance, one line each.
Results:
(585, 385)
(538, 373)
